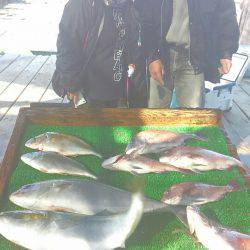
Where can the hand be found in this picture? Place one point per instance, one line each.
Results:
(156, 70)
(72, 97)
(226, 65)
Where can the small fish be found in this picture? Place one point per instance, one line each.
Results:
(57, 231)
(198, 159)
(158, 141)
(138, 165)
(189, 193)
(214, 236)
(83, 197)
(53, 163)
(62, 144)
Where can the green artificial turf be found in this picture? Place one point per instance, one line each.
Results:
(156, 231)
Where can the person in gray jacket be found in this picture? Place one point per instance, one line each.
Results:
(197, 39)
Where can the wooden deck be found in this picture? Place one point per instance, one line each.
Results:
(27, 78)
(23, 79)
(23, 27)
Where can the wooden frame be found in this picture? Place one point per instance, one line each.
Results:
(52, 114)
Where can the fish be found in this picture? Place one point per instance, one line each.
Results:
(189, 193)
(214, 236)
(137, 164)
(56, 231)
(198, 159)
(158, 141)
(66, 145)
(86, 196)
(53, 163)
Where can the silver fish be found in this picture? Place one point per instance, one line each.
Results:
(214, 236)
(75, 196)
(189, 193)
(198, 159)
(60, 143)
(139, 165)
(158, 141)
(58, 231)
(53, 163)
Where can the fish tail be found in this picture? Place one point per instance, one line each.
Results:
(98, 155)
(234, 186)
(91, 176)
(200, 136)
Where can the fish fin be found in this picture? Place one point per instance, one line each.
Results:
(200, 136)
(185, 171)
(134, 173)
(199, 165)
(98, 155)
(133, 152)
(196, 171)
(104, 212)
(234, 185)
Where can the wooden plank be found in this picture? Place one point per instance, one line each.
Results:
(11, 156)
(109, 117)
(6, 60)
(14, 70)
(32, 93)
(12, 93)
(239, 121)
(241, 99)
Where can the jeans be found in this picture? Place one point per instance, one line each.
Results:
(189, 86)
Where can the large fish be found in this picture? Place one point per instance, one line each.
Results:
(198, 159)
(83, 197)
(138, 165)
(60, 143)
(213, 236)
(59, 231)
(158, 141)
(53, 163)
(189, 193)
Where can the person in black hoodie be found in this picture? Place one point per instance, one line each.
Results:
(194, 41)
(99, 40)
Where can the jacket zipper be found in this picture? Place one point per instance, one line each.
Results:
(99, 33)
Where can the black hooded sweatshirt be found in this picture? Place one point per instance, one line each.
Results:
(87, 56)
